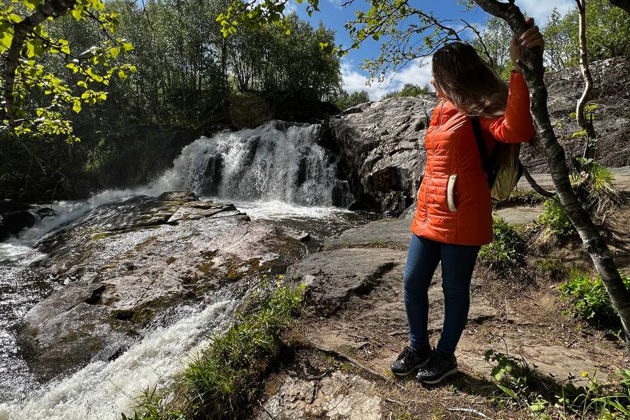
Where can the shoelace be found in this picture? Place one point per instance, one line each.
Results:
(406, 354)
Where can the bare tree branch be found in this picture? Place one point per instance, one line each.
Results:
(585, 123)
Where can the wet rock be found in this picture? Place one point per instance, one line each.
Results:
(128, 264)
(11, 223)
(338, 396)
(45, 212)
(333, 276)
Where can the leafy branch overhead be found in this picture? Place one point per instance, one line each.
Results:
(28, 49)
(407, 33)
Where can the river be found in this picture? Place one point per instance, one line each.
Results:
(274, 173)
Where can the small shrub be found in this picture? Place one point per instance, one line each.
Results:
(553, 268)
(519, 198)
(589, 299)
(596, 191)
(555, 219)
(507, 247)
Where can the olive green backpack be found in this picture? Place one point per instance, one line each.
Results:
(503, 168)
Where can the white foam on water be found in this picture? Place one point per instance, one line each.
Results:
(103, 390)
(274, 209)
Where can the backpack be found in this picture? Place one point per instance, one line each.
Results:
(503, 169)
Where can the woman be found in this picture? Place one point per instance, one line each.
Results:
(454, 213)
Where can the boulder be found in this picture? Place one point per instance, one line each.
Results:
(381, 150)
(381, 143)
(14, 216)
(129, 265)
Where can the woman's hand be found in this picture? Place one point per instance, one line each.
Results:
(529, 39)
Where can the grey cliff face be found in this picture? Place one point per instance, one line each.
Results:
(382, 143)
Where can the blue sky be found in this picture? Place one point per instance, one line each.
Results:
(334, 16)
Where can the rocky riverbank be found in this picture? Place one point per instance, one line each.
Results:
(127, 266)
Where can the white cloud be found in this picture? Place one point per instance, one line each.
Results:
(336, 3)
(417, 72)
(541, 9)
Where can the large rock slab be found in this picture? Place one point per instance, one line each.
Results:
(128, 265)
(334, 276)
(390, 232)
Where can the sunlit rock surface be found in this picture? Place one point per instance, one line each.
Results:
(127, 265)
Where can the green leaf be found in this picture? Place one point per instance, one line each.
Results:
(31, 4)
(127, 46)
(507, 391)
(77, 13)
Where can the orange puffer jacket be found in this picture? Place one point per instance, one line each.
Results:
(454, 204)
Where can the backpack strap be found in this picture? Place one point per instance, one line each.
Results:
(491, 173)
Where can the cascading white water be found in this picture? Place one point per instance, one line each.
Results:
(102, 390)
(265, 163)
(270, 166)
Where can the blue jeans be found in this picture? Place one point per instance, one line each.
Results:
(458, 262)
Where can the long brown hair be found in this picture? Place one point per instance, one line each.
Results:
(468, 81)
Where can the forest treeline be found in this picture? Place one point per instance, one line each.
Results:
(190, 80)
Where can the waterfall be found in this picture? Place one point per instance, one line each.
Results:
(268, 163)
(273, 171)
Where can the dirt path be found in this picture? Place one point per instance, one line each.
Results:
(338, 366)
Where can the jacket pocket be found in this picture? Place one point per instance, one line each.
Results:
(450, 192)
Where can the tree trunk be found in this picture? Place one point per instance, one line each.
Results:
(585, 123)
(590, 235)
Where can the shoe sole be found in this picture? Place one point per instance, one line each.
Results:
(415, 368)
(441, 378)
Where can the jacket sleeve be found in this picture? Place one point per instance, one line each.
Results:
(516, 125)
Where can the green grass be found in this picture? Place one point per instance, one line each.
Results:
(589, 300)
(555, 219)
(507, 247)
(519, 385)
(222, 382)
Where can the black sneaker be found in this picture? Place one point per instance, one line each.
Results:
(409, 360)
(440, 366)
